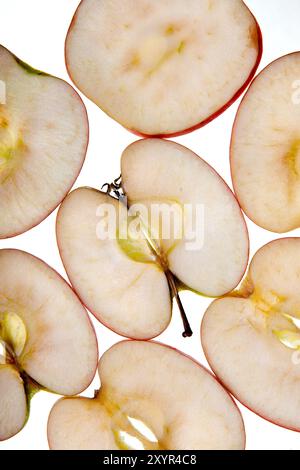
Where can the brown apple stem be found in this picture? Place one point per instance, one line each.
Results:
(187, 329)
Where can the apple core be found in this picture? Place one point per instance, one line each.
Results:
(12, 334)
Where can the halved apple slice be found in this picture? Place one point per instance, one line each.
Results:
(143, 404)
(13, 402)
(129, 296)
(46, 337)
(123, 279)
(43, 141)
(265, 148)
(252, 338)
(166, 67)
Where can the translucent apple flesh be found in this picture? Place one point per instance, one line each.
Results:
(251, 338)
(163, 68)
(126, 282)
(43, 141)
(47, 341)
(143, 404)
(265, 149)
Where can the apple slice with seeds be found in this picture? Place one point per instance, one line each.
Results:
(143, 404)
(265, 149)
(251, 338)
(163, 68)
(46, 338)
(43, 142)
(125, 280)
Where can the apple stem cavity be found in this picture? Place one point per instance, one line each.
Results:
(31, 386)
(10, 357)
(116, 190)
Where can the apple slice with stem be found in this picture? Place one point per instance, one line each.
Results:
(265, 147)
(163, 68)
(46, 338)
(143, 404)
(251, 338)
(124, 273)
(43, 142)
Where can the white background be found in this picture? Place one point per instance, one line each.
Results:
(35, 31)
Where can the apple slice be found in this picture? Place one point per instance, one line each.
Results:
(47, 339)
(129, 296)
(252, 338)
(163, 68)
(124, 280)
(143, 404)
(13, 405)
(265, 149)
(43, 142)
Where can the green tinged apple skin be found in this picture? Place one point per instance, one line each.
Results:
(30, 69)
(229, 390)
(214, 115)
(191, 359)
(33, 72)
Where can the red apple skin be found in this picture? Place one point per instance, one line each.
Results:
(210, 118)
(70, 287)
(245, 404)
(187, 288)
(79, 170)
(233, 132)
(191, 359)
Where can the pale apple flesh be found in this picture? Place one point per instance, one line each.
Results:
(143, 404)
(265, 150)
(163, 68)
(212, 254)
(252, 338)
(126, 282)
(46, 337)
(43, 141)
(129, 296)
(13, 405)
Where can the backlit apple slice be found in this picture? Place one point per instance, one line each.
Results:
(13, 402)
(43, 141)
(252, 338)
(265, 149)
(163, 67)
(46, 337)
(129, 296)
(155, 170)
(124, 280)
(143, 404)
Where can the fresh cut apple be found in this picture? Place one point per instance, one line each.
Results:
(46, 338)
(125, 274)
(143, 404)
(265, 149)
(163, 68)
(251, 338)
(43, 142)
